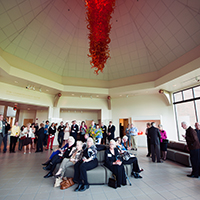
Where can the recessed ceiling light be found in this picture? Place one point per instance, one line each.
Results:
(28, 108)
(16, 81)
(120, 95)
(97, 96)
(72, 94)
(47, 90)
(174, 85)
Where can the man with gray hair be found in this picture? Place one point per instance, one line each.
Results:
(154, 135)
(2, 129)
(194, 148)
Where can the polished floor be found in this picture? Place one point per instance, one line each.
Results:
(21, 177)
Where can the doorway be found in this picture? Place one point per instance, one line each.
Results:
(123, 123)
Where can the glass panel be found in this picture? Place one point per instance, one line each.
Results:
(178, 96)
(197, 91)
(198, 109)
(186, 113)
(187, 94)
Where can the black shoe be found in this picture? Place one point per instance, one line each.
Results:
(51, 149)
(46, 163)
(48, 175)
(160, 161)
(192, 176)
(84, 187)
(148, 155)
(78, 187)
(4, 151)
(37, 151)
(57, 176)
(136, 175)
(48, 167)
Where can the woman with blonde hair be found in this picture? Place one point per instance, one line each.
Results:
(76, 154)
(26, 138)
(88, 162)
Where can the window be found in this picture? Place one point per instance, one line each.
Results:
(187, 108)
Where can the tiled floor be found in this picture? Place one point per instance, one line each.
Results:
(21, 177)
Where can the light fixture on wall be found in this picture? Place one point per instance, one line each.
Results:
(91, 97)
(127, 96)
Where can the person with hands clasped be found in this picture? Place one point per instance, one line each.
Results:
(113, 163)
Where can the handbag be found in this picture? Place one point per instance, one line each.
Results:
(126, 156)
(23, 137)
(66, 183)
(112, 181)
(165, 141)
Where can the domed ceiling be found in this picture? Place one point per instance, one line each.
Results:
(146, 35)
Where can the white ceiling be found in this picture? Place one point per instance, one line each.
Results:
(146, 35)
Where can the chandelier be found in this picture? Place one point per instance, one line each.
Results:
(98, 22)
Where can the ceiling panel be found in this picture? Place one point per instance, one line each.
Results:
(145, 36)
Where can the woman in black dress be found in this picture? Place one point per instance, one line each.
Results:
(114, 164)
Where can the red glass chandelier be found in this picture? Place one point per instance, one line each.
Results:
(98, 19)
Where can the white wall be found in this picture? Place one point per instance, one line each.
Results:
(86, 103)
(145, 107)
(79, 116)
(42, 116)
(26, 114)
(2, 109)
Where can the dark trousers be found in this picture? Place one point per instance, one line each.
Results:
(195, 161)
(45, 139)
(60, 138)
(40, 143)
(103, 140)
(20, 145)
(149, 145)
(82, 138)
(74, 135)
(135, 164)
(55, 160)
(81, 168)
(155, 149)
(5, 139)
(13, 141)
(111, 137)
(119, 172)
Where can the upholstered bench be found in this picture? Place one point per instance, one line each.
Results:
(98, 175)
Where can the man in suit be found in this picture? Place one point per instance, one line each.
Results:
(197, 129)
(111, 131)
(104, 130)
(194, 148)
(2, 129)
(74, 130)
(154, 135)
(5, 138)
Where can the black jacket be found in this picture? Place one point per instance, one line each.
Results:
(51, 131)
(154, 135)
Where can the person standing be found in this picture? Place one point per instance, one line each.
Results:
(15, 131)
(83, 129)
(148, 140)
(163, 143)
(61, 129)
(128, 143)
(111, 131)
(197, 126)
(51, 135)
(5, 138)
(133, 131)
(40, 134)
(46, 128)
(194, 148)
(66, 132)
(154, 135)
(74, 130)
(104, 131)
(2, 129)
